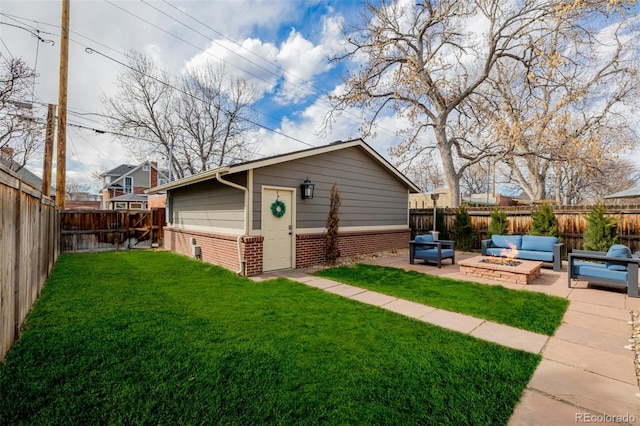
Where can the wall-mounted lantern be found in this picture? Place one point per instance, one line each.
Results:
(306, 189)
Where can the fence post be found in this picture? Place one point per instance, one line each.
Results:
(18, 258)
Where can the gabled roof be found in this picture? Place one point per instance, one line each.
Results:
(129, 197)
(26, 175)
(124, 170)
(627, 193)
(283, 158)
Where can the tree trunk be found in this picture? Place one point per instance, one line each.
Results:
(449, 168)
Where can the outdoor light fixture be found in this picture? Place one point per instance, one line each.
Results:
(306, 189)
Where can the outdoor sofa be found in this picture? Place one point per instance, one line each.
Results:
(529, 247)
(426, 248)
(615, 268)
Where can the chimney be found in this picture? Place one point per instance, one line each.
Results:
(6, 152)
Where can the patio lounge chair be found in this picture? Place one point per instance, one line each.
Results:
(424, 247)
(616, 268)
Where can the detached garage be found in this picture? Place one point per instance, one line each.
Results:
(271, 214)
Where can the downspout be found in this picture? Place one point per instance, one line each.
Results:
(246, 220)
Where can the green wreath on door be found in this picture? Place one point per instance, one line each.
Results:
(278, 208)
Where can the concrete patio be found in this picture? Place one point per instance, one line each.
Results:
(586, 375)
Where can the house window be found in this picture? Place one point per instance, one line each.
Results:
(146, 168)
(161, 181)
(121, 206)
(137, 206)
(128, 185)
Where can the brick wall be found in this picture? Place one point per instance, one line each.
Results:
(222, 249)
(253, 255)
(218, 249)
(310, 247)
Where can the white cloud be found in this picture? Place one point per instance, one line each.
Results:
(112, 32)
(252, 60)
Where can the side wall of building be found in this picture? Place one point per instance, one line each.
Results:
(222, 250)
(310, 247)
(374, 211)
(208, 206)
(370, 195)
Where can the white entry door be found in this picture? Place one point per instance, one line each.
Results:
(277, 229)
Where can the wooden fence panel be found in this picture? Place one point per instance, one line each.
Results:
(96, 230)
(571, 222)
(29, 248)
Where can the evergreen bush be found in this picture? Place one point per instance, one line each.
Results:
(498, 223)
(331, 248)
(601, 231)
(543, 221)
(464, 236)
(441, 226)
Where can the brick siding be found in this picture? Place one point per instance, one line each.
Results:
(222, 249)
(310, 247)
(218, 249)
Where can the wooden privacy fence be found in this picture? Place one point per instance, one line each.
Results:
(29, 248)
(93, 230)
(571, 222)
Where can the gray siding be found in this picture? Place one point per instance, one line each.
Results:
(141, 178)
(370, 194)
(209, 204)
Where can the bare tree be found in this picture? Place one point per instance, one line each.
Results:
(426, 173)
(215, 117)
(199, 121)
(567, 113)
(78, 191)
(477, 178)
(21, 133)
(424, 60)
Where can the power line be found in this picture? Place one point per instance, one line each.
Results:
(227, 48)
(90, 51)
(278, 67)
(35, 34)
(200, 49)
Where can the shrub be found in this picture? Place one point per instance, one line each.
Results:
(498, 223)
(441, 225)
(543, 222)
(464, 235)
(601, 231)
(331, 248)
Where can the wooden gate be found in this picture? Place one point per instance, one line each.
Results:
(95, 230)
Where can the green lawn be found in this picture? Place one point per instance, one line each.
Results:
(155, 338)
(531, 311)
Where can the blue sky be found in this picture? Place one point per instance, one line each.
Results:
(286, 42)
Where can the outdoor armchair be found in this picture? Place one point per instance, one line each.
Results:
(424, 247)
(616, 268)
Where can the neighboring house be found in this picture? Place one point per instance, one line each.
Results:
(252, 217)
(425, 200)
(628, 196)
(26, 175)
(124, 186)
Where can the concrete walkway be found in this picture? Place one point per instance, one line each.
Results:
(586, 375)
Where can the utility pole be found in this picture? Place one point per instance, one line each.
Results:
(61, 173)
(48, 150)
